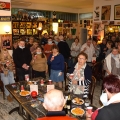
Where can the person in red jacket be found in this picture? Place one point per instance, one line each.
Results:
(54, 102)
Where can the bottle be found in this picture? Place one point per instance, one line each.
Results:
(68, 103)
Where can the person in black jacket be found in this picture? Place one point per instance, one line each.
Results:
(22, 58)
(64, 49)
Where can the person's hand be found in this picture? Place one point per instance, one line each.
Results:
(24, 65)
(88, 115)
(60, 73)
(74, 82)
(52, 58)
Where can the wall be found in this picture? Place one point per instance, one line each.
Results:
(47, 7)
(101, 3)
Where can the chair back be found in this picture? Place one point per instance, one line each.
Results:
(92, 88)
(97, 70)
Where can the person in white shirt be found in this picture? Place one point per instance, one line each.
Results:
(75, 48)
(89, 49)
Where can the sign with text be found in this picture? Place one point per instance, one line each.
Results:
(4, 5)
(5, 18)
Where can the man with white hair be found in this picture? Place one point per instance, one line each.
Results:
(64, 48)
(54, 102)
(89, 49)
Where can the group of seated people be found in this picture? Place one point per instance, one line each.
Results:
(50, 57)
(54, 102)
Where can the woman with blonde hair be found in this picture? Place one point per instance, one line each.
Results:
(7, 71)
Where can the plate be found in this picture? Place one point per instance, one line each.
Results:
(25, 93)
(78, 101)
(77, 111)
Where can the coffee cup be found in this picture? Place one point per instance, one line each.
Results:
(89, 109)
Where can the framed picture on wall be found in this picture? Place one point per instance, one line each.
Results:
(105, 13)
(117, 12)
(6, 41)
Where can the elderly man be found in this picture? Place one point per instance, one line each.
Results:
(112, 63)
(22, 58)
(54, 102)
(89, 49)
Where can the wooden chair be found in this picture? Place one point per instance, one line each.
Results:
(92, 88)
(2, 89)
(65, 72)
(97, 71)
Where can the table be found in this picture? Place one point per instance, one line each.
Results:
(25, 109)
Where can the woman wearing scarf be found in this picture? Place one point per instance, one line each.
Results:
(112, 63)
(110, 100)
(79, 84)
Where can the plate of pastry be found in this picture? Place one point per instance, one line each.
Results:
(77, 111)
(78, 101)
(25, 93)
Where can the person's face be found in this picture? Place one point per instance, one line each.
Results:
(76, 40)
(15, 45)
(5, 53)
(31, 40)
(115, 52)
(108, 45)
(38, 50)
(36, 44)
(119, 46)
(45, 35)
(54, 50)
(49, 40)
(94, 43)
(22, 43)
(104, 41)
(88, 42)
(81, 60)
(113, 38)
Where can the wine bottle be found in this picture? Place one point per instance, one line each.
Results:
(69, 102)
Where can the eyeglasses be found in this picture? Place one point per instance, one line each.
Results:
(81, 58)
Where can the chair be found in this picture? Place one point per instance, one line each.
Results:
(97, 71)
(65, 72)
(92, 88)
(2, 89)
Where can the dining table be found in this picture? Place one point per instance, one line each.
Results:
(26, 108)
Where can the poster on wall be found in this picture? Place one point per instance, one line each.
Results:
(97, 13)
(6, 41)
(105, 13)
(117, 12)
(4, 5)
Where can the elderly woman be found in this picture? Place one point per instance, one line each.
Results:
(39, 63)
(56, 60)
(7, 71)
(82, 76)
(110, 100)
(112, 62)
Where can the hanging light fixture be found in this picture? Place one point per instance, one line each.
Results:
(40, 26)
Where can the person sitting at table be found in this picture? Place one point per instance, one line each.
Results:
(56, 60)
(82, 76)
(54, 102)
(7, 71)
(39, 63)
(110, 100)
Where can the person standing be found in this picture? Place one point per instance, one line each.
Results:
(22, 58)
(64, 49)
(7, 71)
(89, 49)
(56, 60)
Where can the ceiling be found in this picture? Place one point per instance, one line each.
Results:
(77, 4)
